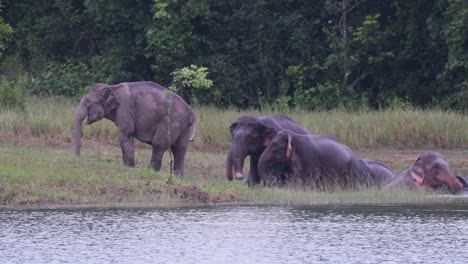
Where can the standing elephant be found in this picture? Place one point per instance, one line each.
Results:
(317, 161)
(143, 110)
(429, 171)
(250, 136)
(381, 174)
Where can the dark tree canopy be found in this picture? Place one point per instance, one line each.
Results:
(311, 54)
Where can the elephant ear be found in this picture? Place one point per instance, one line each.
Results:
(417, 172)
(232, 128)
(110, 100)
(269, 135)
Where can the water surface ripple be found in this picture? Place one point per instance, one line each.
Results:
(250, 234)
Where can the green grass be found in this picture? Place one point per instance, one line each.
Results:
(51, 176)
(51, 119)
(37, 167)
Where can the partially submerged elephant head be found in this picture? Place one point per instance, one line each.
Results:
(431, 170)
(98, 103)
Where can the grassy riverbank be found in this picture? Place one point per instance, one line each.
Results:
(44, 176)
(37, 167)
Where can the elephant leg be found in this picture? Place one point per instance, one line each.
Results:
(179, 152)
(128, 150)
(253, 177)
(156, 157)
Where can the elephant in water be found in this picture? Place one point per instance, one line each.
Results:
(317, 161)
(250, 136)
(381, 174)
(142, 110)
(429, 171)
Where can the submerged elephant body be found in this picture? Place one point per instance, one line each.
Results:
(142, 110)
(316, 161)
(380, 173)
(250, 136)
(429, 171)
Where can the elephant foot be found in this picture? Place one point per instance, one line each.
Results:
(239, 176)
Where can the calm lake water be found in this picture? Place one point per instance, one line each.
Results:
(250, 234)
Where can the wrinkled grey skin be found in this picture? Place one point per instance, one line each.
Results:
(317, 161)
(381, 174)
(429, 171)
(140, 110)
(250, 136)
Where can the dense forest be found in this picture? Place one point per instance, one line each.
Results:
(308, 54)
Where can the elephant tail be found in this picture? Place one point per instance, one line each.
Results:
(193, 124)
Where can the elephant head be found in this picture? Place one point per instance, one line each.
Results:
(101, 101)
(250, 136)
(432, 171)
(279, 160)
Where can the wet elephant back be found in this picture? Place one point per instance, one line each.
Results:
(403, 180)
(284, 122)
(380, 172)
(331, 152)
(330, 163)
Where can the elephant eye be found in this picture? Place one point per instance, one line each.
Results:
(253, 135)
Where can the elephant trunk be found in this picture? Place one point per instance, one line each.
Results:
(80, 114)
(452, 182)
(229, 166)
(238, 156)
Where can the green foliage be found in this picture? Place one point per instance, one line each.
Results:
(309, 54)
(69, 79)
(5, 32)
(5, 35)
(193, 80)
(11, 96)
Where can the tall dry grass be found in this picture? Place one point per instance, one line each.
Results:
(53, 118)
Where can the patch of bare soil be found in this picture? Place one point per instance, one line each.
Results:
(194, 193)
(189, 192)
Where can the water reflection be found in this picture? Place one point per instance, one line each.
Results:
(255, 234)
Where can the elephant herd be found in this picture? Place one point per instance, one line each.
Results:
(281, 151)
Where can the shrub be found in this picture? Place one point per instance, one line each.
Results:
(69, 79)
(11, 96)
(193, 83)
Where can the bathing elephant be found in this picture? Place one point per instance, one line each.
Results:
(317, 161)
(381, 174)
(429, 171)
(142, 110)
(250, 136)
